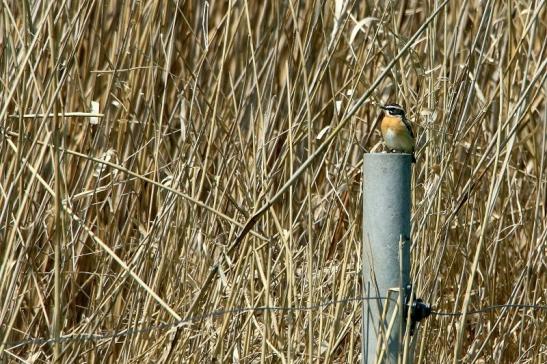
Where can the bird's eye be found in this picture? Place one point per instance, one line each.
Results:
(395, 112)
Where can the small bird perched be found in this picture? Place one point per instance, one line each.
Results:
(396, 130)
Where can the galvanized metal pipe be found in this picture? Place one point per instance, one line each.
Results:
(386, 264)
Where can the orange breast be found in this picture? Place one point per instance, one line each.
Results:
(396, 135)
(395, 124)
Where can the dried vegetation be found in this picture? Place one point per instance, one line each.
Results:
(163, 160)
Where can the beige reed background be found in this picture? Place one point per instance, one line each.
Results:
(162, 160)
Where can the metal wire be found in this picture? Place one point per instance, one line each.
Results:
(237, 310)
(490, 308)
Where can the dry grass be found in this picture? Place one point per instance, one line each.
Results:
(191, 121)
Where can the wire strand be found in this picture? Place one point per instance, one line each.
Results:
(237, 310)
(490, 308)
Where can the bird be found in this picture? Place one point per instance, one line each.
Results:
(396, 130)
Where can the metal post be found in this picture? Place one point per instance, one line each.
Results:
(386, 222)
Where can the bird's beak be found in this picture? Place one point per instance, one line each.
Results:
(383, 107)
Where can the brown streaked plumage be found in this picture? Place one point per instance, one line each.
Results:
(396, 130)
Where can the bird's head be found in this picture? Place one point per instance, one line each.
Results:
(394, 110)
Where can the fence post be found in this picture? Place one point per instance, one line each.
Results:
(386, 222)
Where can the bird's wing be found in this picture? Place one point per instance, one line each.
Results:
(408, 126)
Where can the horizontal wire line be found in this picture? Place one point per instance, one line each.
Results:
(491, 308)
(237, 310)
